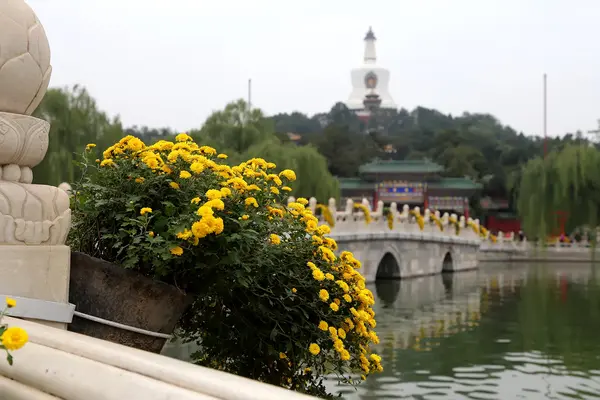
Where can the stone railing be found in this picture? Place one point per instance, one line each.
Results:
(362, 218)
(58, 364)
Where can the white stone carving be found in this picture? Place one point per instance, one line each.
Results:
(24, 58)
(33, 214)
(66, 187)
(34, 219)
(23, 140)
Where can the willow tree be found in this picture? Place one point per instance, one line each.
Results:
(75, 121)
(565, 181)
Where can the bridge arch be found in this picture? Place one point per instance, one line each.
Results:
(448, 261)
(388, 267)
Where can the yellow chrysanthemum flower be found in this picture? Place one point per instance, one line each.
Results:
(274, 239)
(314, 349)
(177, 251)
(10, 302)
(288, 174)
(324, 295)
(14, 338)
(251, 201)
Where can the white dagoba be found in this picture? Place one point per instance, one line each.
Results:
(370, 78)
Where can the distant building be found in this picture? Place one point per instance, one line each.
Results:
(293, 137)
(498, 216)
(411, 182)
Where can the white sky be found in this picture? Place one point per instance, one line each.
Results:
(172, 62)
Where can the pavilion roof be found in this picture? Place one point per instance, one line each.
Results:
(400, 167)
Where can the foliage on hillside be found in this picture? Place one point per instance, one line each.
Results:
(473, 145)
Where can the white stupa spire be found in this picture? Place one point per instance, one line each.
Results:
(370, 54)
(370, 79)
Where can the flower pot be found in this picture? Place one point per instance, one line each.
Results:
(122, 306)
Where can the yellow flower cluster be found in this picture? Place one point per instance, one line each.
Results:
(419, 218)
(483, 232)
(390, 220)
(365, 211)
(327, 216)
(13, 337)
(345, 295)
(436, 220)
(474, 226)
(190, 159)
(453, 221)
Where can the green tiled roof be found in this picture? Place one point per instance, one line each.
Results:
(455, 183)
(355, 183)
(444, 183)
(400, 166)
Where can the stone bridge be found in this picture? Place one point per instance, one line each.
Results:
(395, 244)
(395, 255)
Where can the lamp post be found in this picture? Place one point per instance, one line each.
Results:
(545, 123)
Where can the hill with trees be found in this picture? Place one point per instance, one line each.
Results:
(477, 146)
(323, 146)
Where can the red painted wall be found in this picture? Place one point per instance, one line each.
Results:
(494, 224)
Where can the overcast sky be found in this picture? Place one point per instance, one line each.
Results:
(172, 62)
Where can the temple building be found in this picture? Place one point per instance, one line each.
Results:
(411, 182)
(370, 83)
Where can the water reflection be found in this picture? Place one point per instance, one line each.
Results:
(524, 332)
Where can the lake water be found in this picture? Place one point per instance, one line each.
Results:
(520, 332)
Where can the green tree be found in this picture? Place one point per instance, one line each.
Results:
(74, 122)
(235, 128)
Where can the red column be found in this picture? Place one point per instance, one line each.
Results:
(466, 208)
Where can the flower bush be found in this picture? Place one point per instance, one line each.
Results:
(273, 301)
(365, 211)
(11, 338)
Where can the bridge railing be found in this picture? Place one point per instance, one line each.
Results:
(363, 218)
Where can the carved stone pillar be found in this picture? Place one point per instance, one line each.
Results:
(34, 219)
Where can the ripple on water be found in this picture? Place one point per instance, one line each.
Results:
(459, 338)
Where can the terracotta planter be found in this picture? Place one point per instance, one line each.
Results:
(118, 297)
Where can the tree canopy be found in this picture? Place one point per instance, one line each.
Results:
(471, 145)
